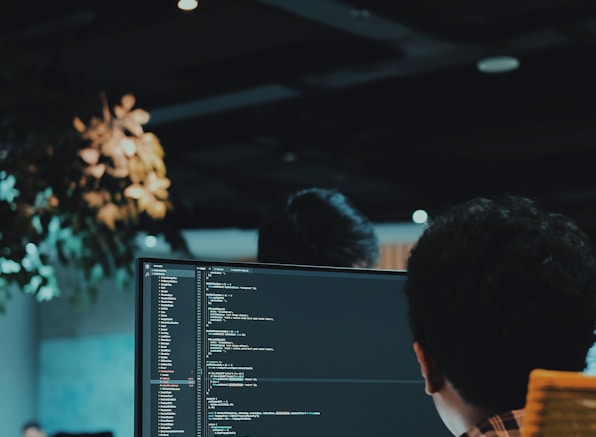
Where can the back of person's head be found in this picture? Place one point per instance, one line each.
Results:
(317, 226)
(498, 288)
(32, 429)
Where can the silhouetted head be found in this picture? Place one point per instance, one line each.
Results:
(317, 226)
(496, 289)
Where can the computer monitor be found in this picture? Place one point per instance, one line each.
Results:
(263, 350)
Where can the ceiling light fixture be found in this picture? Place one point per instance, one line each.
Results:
(498, 64)
(187, 5)
(420, 216)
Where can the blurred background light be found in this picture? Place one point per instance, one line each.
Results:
(150, 241)
(498, 64)
(187, 5)
(420, 216)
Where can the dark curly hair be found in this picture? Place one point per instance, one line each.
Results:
(497, 288)
(317, 226)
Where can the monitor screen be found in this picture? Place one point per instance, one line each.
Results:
(263, 350)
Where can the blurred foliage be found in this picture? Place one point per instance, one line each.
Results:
(78, 182)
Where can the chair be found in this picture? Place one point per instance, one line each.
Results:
(560, 404)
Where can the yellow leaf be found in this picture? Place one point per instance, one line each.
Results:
(139, 116)
(108, 214)
(97, 171)
(155, 146)
(53, 201)
(118, 172)
(118, 156)
(157, 184)
(134, 191)
(149, 137)
(135, 128)
(137, 170)
(79, 125)
(145, 201)
(128, 101)
(89, 155)
(119, 111)
(160, 167)
(146, 159)
(109, 147)
(129, 146)
(161, 194)
(157, 210)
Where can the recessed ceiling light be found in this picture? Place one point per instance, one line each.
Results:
(420, 216)
(498, 64)
(187, 5)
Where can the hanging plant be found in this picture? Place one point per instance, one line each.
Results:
(78, 196)
(124, 174)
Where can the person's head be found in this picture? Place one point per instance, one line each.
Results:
(496, 289)
(33, 429)
(317, 226)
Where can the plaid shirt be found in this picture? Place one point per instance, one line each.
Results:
(500, 425)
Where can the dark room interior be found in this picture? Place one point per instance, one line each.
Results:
(382, 100)
(400, 105)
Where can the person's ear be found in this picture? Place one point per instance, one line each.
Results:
(433, 380)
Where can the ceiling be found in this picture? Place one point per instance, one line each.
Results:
(382, 100)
